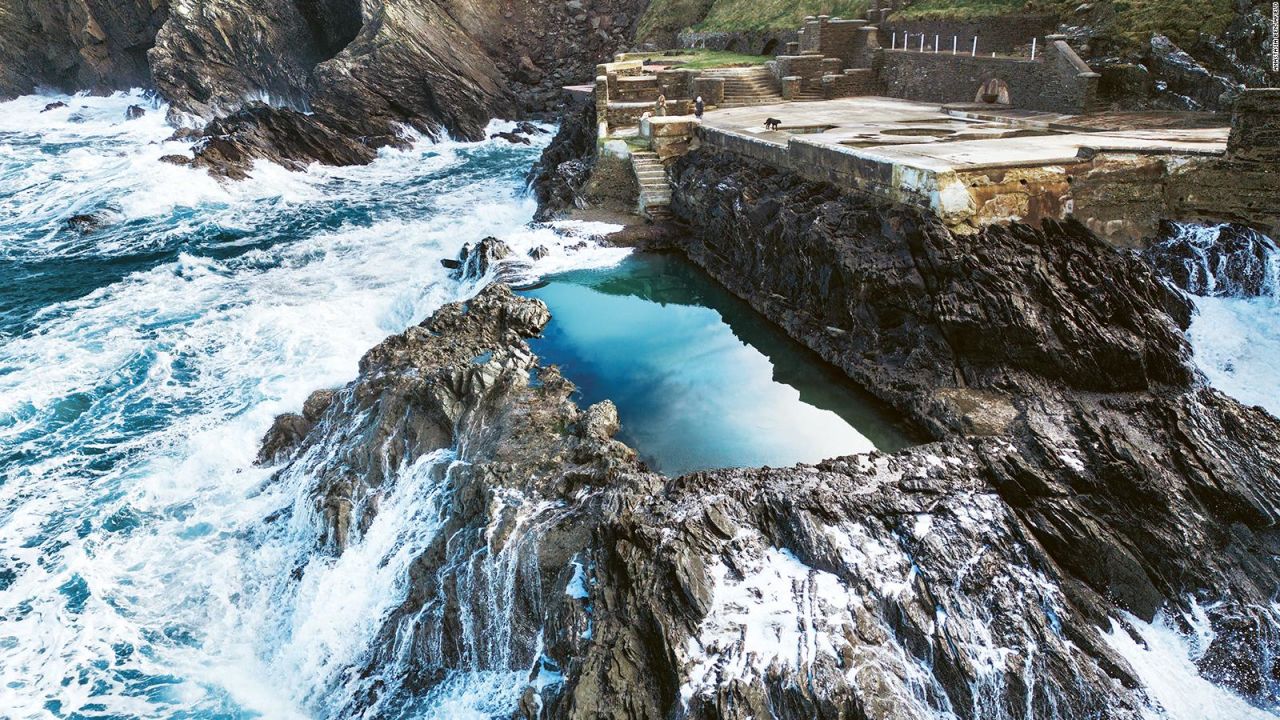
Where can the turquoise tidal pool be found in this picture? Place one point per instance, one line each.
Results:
(700, 379)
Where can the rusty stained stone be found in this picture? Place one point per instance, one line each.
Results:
(1029, 194)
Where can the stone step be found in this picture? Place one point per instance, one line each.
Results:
(738, 71)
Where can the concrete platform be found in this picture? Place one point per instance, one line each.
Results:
(977, 165)
(930, 137)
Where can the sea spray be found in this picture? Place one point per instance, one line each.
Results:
(1233, 274)
(149, 567)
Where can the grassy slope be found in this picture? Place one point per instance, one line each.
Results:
(676, 15)
(775, 14)
(1127, 22)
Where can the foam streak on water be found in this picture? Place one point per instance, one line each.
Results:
(141, 363)
(1237, 339)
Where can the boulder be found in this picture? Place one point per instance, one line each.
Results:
(232, 144)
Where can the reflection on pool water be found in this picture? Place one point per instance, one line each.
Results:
(700, 379)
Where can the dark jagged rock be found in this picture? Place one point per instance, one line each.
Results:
(1205, 72)
(511, 137)
(1084, 479)
(474, 262)
(529, 128)
(53, 106)
(174, 159)
(1130, 475)
(292, 139)
(565, 166)
(366, 70)
(185, 133)
(1223, 261)
(72, 45)
(133, 112)
(213, 58)
(527, 493)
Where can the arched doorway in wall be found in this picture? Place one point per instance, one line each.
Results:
(732, 46)
(770, 48)
(994, 91)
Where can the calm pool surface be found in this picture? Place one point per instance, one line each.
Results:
(700, 379)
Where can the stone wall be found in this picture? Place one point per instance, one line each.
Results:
(1255, 127)
(851, 83)
(756, 42)
(851, 41)
(1004, 34)
(1057, 81)
(808, 67)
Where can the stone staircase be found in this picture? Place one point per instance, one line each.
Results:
(655, 191)
(747, 86)
(809, 93)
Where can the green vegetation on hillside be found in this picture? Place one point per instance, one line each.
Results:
(702, 59)
(959, 9)
(775, 14)
(1124, 22)
(672, 16)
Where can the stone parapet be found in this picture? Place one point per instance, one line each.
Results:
(1001, 34)
(710, 88)
(1058, 81)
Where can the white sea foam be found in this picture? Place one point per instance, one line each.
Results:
(1235, 339)
(146, 583)
(1163, 660)
(1236, 343)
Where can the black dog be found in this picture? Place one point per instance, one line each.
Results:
(772, 123)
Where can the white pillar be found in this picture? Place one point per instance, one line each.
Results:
(894, 44)
(974, 52)
(1033, 48)
(921, 42)
(954, 40)
(935, 42)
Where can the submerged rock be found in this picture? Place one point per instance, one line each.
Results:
(475, 261)
(83, 223)
(53, 106)
(133, 112)
(511, 137)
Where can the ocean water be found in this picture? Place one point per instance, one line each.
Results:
(700, 380)
(142, 573)
(141, 362)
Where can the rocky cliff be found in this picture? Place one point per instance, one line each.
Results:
(366, 70)
(96, 45)
(1084, 482)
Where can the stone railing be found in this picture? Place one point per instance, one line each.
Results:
(1056, 81)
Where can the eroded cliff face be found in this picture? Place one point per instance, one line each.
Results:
(70, 45)
(1084, 481)
(365, 70)
(1142, 486)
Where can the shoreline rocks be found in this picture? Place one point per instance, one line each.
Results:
(1083, 480)
(363, 72)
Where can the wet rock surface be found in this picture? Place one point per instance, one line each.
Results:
(71, 45)
(1083, 479)
(558, 178)
(1223, 261)
(230, 145)
(364, 71)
